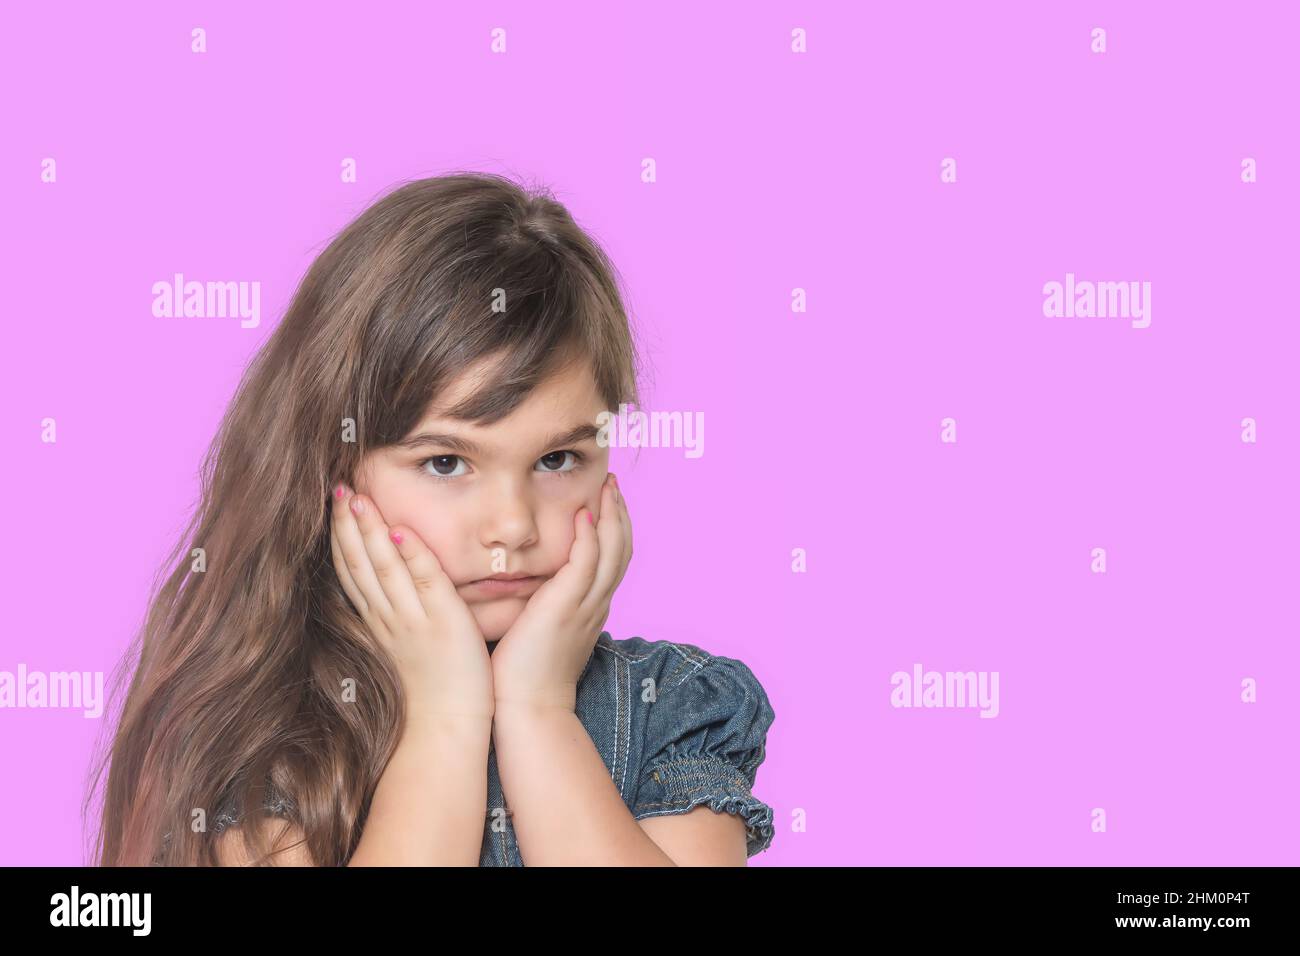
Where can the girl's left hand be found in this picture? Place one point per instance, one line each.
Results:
(539, 660)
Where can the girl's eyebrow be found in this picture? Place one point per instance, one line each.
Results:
(572, 436)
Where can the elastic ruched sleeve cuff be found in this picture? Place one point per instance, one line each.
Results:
(705, 740)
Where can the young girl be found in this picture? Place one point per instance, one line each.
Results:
(380, 641)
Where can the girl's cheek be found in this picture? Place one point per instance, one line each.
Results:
(558, 534)
(443, 539)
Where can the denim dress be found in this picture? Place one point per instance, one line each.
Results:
(676, 726)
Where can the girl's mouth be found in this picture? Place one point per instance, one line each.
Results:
(497, 586)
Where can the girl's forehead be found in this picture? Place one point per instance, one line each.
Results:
(563, 408)
(566, 391)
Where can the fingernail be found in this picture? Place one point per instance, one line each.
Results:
(590, 519)
(338, 490)
(396, 536)
(357, 506)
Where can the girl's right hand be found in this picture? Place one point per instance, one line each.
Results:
(412, 608)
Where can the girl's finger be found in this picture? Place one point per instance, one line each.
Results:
(610, 533)
(576, 576)
(341, 569)
(357, 558)
(389, 568)
(432, 586)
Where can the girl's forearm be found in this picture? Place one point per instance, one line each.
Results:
(566, 809)
(430, 806)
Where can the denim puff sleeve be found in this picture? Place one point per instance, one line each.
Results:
(705, 738)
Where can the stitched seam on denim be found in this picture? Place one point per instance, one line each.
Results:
(705, 780)
(610, 648)
(682, 650)
(627, 731)
(751, 801)
(733, 787)
(621, 655)
(505, 846)
(689, 774)
(622, 705)
(688, 652)
(680, 667)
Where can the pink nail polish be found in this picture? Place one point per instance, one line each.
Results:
(397, 537)
(338, 491)
(590, 518)
(357, 506)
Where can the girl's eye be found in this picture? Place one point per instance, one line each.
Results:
(437, 465)
(444, 467)
(548, 460)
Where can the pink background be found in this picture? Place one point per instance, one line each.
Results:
(775, 171)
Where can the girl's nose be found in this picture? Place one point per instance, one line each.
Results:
(507, 520)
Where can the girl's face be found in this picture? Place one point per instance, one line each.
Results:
(499, 499)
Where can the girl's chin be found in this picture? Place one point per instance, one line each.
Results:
(496, 617)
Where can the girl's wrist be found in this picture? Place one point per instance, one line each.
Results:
(429, 718)
(533, 701)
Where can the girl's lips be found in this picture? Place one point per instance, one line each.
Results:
(517, 586)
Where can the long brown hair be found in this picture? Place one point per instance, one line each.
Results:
(235, 678)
